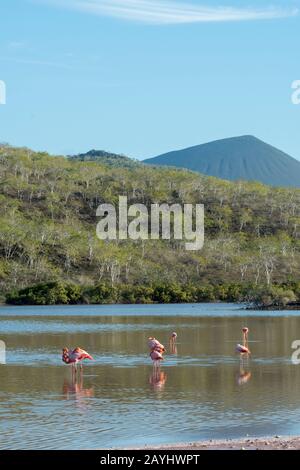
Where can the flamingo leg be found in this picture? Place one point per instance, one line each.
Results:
(247, 345)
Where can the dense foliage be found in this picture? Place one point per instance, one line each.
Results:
(106, 158)
(48, 221)
(53, 293)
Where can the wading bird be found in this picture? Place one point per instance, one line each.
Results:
(75, 357)
(173, 337)
(243, 348)
(156, 350)
(156, 356)
(155, 344)
(173, 346)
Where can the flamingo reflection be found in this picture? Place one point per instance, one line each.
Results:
(157, 378)
(74, 389)
(244, 374)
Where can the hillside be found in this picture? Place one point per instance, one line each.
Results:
(238, 158)
(107, 158)
(48, 222)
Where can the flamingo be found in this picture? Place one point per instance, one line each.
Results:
(156, 350)
(243, 348)
(154, 343)
(156, 356)
(245, 331)
(173, 337)
(173, 347)
(74, 357)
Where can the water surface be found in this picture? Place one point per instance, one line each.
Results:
(202, 391)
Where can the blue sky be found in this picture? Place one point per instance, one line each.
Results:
(144, 77)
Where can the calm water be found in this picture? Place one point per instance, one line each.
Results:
(202, 391)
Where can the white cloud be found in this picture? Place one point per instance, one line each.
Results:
(171, 11)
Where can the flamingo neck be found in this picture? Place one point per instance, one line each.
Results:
(66, 357)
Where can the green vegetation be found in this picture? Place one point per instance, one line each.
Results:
(50, 293)
(54, 293)
(280, 297)
(107, 158)
(48, 235)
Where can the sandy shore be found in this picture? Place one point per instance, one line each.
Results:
(249, 443)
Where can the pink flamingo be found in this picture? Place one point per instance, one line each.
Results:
(156, 350)
(156, 356)
(154, 343)
(173, 337)
(245, 331)
(173, 347)
(243, 348)
(74, 357)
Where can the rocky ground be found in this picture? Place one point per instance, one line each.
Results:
(249, 443)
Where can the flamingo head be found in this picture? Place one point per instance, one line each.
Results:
(65, 355)
(245, 331)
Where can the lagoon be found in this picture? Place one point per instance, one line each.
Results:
(203, 390)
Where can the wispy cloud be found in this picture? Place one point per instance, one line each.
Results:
(25, 61)
(172, 11)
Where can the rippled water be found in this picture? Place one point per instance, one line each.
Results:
(203, 390)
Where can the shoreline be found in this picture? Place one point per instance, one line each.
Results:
(287, 308)
(248, 443)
